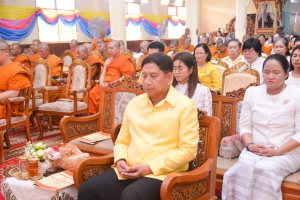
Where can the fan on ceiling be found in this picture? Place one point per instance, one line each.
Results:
(95, 25)
(162, 29)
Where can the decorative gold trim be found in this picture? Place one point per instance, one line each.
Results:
(235, 69)
(41, 61)
(201, 114)
(240, 93)
(126, 82)
(67, 53)
(220, 62)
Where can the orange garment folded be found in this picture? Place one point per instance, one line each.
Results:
(214, 51)
(94, 99)
(167, 49)
(56, 65)
(106, 56)
(139, 68)
(96, 64)
(74, 53)
(191, 49)
(13, 77)
(225, 54)
(24, 60)
(106, 40)
(35, 57)
(181, 47)
(267, 49)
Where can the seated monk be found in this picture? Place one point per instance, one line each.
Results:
(213, 49)
(223, 51)
(16, 51)
(93, 60)
(167, 49)
(55, 62)
(144, 46)
(122, 42)
(102, 48)
(114, 68)
(13, 79)
(175, 48)
(184, 36)
(188, 46)
(159, 136)
(265, 48)
(73, 45)
(99, 40)
(102, 35)
(35, 49)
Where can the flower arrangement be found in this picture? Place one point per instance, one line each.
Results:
(40, 151)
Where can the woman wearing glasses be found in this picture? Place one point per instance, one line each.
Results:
(252, 54)
(207, 73)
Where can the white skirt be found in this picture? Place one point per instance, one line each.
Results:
(258, 177)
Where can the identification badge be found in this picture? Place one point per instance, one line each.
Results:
(214, 61)
(242, 68)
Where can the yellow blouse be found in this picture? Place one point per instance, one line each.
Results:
(165, 136)
(210, 77)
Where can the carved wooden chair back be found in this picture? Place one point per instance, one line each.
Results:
(67, 57)
(42, 74)
(220, 64)
(130, 55)
(79, 78)
(114, 99)
(239, 76)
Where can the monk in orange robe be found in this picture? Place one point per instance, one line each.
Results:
(93, 60)
(175, 48)
(55, 62)
(102, 48)
(144, 46)
(13, 79)
(114, 68)
(73, 45)
(16, 51)
(223, 51)
(102, 35)
(35, 49)
(213, 49)
(184, 36)
(188, 46)
(265, 48)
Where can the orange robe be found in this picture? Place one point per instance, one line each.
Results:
(214, 51)
(13, 77)
(120, 66)
(74, 53)
(181, 47)
(139, 68)
(225, 54)
(106, 40)
(96, 64)
(106, 56)
(267, 49)
(35, 57)
(191, 48)
(24, 60)
(56, 65)
(167, 49)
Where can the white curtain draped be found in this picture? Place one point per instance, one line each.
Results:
(265, 10)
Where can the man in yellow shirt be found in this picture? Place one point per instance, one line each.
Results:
(234, 48)
(163, 141)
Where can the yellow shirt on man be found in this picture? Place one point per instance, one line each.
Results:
(230, 63)
(165, 136)
(210, 77)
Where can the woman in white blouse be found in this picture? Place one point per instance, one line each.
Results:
(281, 46)
(186, 81)
(294, 75)
(270, 130)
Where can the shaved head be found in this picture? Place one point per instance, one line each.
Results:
(102, 47)
(98, 41)
(187, 43)
(103, 34)
(114, 48)
(144, 46)
(4, 54)
(73, 45)
(210, 41)
(17, 45)
(116, 43)
(89, 47)
(74, 42)
(44, 50)
(37, 41)
(35, 46)
(175, 43)
(205, 40)
(122, 42)
(15, 49)
(4, 45)
(45, 46)
(82, 52)
(122, 49)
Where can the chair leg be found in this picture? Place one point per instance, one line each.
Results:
(50, 122)
(40, 124)
(8, 145)
(28, 136)
(1, 147)
(32, 119)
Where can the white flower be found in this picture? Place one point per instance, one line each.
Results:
(40, 153)
(39, 145)
(55, 156)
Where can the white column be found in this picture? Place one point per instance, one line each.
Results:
(97, 5)
(241, 18)
(7, 2)
(117, 19)
(192, 19)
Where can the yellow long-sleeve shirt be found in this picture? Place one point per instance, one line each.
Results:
(165, 137)
(210, 77)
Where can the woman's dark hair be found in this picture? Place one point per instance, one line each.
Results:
(291, 64)
(220, 32)
(272, 38)
(253, 43)
(189, 60)
(281, 59)
(294, 36)
(285, 42)
(206, 49)
(163, 62)
(297, 39)
(263, 35)
(156, 45)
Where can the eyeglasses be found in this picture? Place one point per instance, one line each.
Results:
(3, 49)
(200, 54)
(248, 51)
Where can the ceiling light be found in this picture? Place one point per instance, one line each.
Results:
(178, 3)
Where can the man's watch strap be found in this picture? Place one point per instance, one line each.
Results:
(247, 146)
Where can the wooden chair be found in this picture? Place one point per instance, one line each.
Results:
(197, 183)
(239, 76)
(220, 64)
(11, 122)
(78, 87)
(113, 101)
(68, 58)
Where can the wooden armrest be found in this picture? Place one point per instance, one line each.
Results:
(90, 167)
(185, 177)
(49, 88)
(80, 90)
(115, 131)
(4, 102)
(16, 99)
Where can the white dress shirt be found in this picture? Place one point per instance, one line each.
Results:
(230, 63)
(202, 96)
(271, 122)
(258, 65)
(292, 80)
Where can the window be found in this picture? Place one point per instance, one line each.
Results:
(133, 32)
(58, 32)
(176, 11)
(175, 31)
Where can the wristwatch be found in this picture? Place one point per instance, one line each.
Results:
(247, 146)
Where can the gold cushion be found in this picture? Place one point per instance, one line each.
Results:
(236, 81)
(105, 145)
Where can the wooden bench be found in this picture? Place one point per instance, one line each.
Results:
(228, 109)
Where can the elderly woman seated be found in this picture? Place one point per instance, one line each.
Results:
(159, 136)
(270, 130)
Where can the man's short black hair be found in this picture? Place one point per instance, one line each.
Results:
(163, 62)
(156, 45)
(253, 43)
(235, 40)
